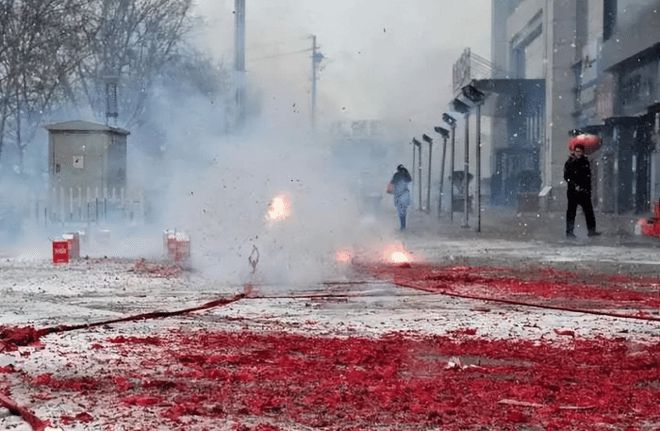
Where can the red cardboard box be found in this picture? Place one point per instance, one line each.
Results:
(60, 252)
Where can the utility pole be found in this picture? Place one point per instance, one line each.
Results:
(478, 168)
(464, 109)
(442, 174)
(412, 186)
(466, 172)
(477, 98)
(429, 140)
(239, 60)
(110, 69)
(111, 103)
(418, 144)
(317, 57)
(452, 157)
(444, 133)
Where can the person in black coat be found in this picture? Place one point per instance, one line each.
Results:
(577, 173)
(399, 188)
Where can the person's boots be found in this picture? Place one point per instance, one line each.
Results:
(593, 233)
(569, 229)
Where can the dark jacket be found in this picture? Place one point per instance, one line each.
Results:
(401, 175)
(577, 173)
(400, 181)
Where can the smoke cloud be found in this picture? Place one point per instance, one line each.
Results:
(384, 61)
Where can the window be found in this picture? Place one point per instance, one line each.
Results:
(609, 18)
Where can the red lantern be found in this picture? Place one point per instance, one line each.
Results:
(590, 142)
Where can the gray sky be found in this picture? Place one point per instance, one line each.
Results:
(388, 59)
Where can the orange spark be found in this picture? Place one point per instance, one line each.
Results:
(279, 208)
(343, 256)
(397, 254)
(399, 257)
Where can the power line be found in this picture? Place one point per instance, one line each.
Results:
(283, 54)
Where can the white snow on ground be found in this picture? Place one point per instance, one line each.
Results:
(37, 292)
(534, 250)
(33, 291)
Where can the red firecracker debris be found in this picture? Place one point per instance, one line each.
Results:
(12, 337)
(169, 270)
(394, 382)
(635, 296)
(29, 417)
(83, 417)
(567, 332)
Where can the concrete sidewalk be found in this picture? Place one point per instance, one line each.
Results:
(508, 224)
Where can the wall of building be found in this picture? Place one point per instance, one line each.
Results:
(77, 159)
(542, 44)
(81, 160)
(636, 29)
(116, 162)
(522, 30)
(588, 67)
(501, 10)
(602, 73)
(630, 59)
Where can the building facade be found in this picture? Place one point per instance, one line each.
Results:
(87, 163)
(597, 62)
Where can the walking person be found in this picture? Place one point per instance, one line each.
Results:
(577, 173)
(398, 186)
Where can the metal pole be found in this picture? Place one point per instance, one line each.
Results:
(451, 172)
(466, 172)
(239, 59)
(428, 181)
(442, 174)
(478, 168)
(419, 177)
(314, 63)
(412, 186)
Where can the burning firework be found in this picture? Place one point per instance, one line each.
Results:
(397, 255)
(343, 256)
(279, 208)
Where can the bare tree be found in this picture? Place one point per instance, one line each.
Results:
(56, 51)
(42, 42)
(135, 39)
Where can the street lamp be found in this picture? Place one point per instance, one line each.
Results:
(418, 144)
(444, 133)
(464, 109)
(451, 121)
(473, 94)
(429, 140)
(477, 97)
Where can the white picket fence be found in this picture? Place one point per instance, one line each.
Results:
(89, 205)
